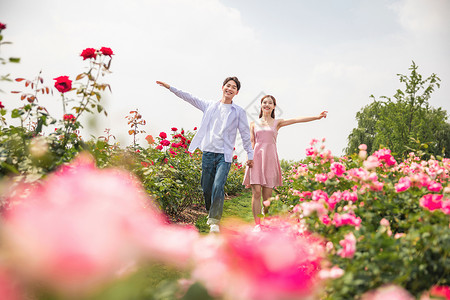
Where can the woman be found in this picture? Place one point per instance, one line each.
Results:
(266, 171)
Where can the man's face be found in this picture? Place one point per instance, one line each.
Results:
(230, 89)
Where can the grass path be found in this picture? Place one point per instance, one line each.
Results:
(239, 207)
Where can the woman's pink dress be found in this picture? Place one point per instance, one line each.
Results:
(266, 170)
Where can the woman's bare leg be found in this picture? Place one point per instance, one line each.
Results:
(256, 202)
(266, 194)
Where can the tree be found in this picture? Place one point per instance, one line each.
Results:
(406, 123)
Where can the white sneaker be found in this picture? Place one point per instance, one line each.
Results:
(257, 228)
(214, 228)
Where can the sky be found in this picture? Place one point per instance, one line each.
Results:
(310, 55)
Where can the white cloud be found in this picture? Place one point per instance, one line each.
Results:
(424, 17)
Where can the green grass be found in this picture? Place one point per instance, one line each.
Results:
(236, 207)
(239, 207)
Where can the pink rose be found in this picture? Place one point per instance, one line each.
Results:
(333, 273)
(349, 196)
(272, 264)
(335, 198)
(2, 26)
(388, 292)
(362, 147)
(63, 84)
(434, 186)
(384, 222)
(309, 207)
(403, 184)
(371, 163)
(321, 177)
(446, 206)
(431, 201)
(338, 169)
(348, 246)
(325, 219)
(318, 195)
(440, 291)
(311, 151)
(346, 219)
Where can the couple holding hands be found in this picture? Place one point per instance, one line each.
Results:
(216, 137)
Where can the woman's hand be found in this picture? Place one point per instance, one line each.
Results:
(163, 84)
(323, 114)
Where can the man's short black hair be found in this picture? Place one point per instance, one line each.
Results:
(235, 79)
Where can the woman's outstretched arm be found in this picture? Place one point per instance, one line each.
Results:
(287, 122)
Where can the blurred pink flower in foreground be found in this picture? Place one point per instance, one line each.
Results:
(9, 289)
(443, 292)
(81, 225)
(389, 292)
(271, 264)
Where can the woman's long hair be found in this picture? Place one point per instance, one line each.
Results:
(274, 103)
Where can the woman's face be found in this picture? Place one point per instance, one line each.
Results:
(267, 106)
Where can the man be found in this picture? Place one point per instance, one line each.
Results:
(216, 137)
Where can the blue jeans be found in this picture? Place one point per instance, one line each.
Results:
(214, 176)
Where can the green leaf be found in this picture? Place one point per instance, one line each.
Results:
(15, 113)
(14, 59)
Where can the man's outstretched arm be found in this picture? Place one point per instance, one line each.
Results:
(198, 103)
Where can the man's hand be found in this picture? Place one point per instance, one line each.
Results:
(250, 163)
(163, 84)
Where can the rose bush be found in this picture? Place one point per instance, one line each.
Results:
(385, 222)
(172, 175)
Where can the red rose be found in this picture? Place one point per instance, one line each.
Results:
(235, 157)
(165, 143)
(1, 104)
(69, 117)
(2, 26)
(89, 53)
(159, 147)
(106, 51)
(162, 135)
(174, 129)
(63, 84)
(195, 128)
